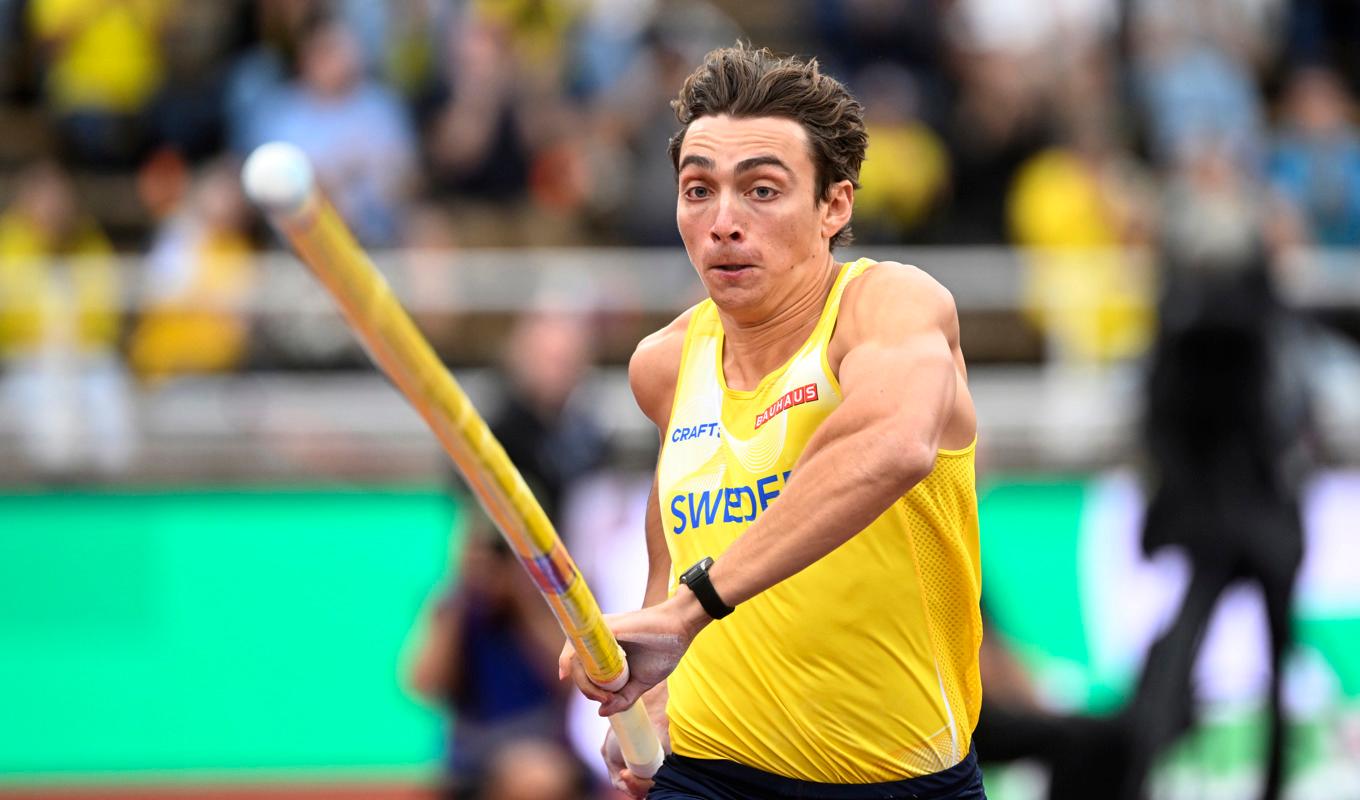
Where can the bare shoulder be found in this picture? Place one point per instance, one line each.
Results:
(892, 296)
(655, 367)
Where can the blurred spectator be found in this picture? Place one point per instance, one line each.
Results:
(608, 41)
(506, 140)
(1074, 207)
(59, 327)
(906, 170)
(478, 145)
(354, 130)
(104, 62)
(1007, 60)
(199, 278)
(1195, 70)
(488, 655)
(1316, 160)
(491, 648)
(634, 186)
(276, 28)
(542, 422)
(536, 31)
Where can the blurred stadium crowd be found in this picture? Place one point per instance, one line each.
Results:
(444, 124)
(538, 120)
(543, 121)
(434, 123)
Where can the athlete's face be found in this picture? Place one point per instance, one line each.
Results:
(749, 213)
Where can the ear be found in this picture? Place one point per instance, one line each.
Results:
(837, 208)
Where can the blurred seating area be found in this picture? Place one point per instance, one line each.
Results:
(497, 156)
(543, 122)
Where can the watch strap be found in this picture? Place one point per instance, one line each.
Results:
(697, 579)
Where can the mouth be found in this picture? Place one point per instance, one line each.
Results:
(731, 269)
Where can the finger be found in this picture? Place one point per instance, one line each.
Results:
(614, 702)
(633, 785)
(564, 660)
(588, 687)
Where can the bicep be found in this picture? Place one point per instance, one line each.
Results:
(900, 371)
(898, 388)
(907, 383)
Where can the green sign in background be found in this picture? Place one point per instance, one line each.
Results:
(213, 629)
(228, 632)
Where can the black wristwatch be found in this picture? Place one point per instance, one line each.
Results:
(696, 578)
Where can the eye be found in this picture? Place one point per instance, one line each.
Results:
(765, 192)
(697, 192)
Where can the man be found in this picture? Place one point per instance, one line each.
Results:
(817, 445)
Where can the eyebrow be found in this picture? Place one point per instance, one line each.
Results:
(745, 165)
(698, 161)
(748, 164)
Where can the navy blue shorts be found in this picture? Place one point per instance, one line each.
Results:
(683, 778)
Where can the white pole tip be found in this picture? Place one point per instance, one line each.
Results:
(278, 177)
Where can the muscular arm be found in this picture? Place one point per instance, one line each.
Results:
(903, 398)
(900, 378)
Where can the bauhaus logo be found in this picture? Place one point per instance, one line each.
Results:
(795, 397)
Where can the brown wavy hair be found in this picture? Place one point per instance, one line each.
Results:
(742, 81)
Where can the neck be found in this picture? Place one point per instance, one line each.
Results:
(759, 343)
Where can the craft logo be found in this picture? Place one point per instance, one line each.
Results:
(684, 433)
(796, 397)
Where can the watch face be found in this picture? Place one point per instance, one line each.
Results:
(695, 571)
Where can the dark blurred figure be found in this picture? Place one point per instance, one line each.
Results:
(1226, 430)
(1325, 32)
(854, 34)
(1226, 427)
(542, 423)
(489, 658)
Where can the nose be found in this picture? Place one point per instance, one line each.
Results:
(726, 226)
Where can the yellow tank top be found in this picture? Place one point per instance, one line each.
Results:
(862, 668)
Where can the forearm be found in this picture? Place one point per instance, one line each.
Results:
(837, 491)
(655, 702)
